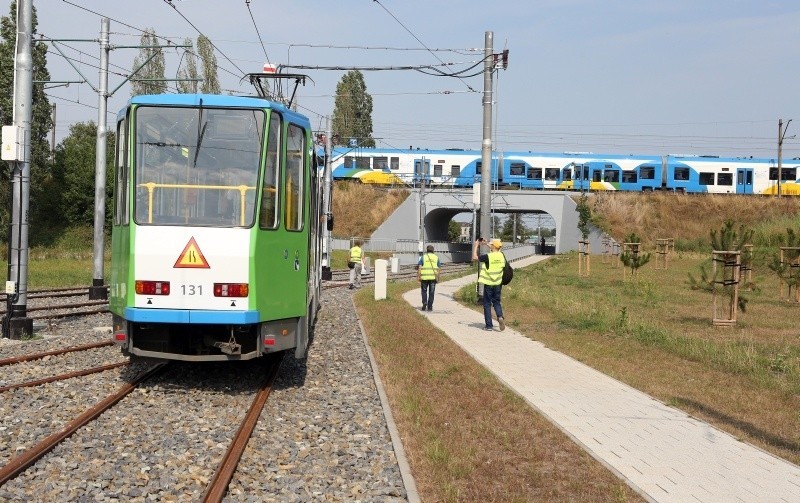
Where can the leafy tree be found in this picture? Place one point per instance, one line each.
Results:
(453, 231)
(584, 216)
(75, 161)
(42, 192)
(507, 231)
(632, 257)
(188, 71)
(142, 82)
(352, 113)
(209, 60)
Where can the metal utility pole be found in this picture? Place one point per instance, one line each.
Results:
(17, 150)
(421, 228)
(326, 204)
(781, 135)
(486, 145)
(97, 290)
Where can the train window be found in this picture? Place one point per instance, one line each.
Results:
(295, 176)
(478, 167)
(534, 173)
(773, 173)
(455, 170)
(724, 178)
(629, 176)
(517, 169)
(647, 173)
(437, 170)
(269, 190)
(789, 173)
(551, 174)
(121, 215)
(706, 179)
(596, 175)
(681, 174)
(567, 174)
(348, 161)
(395, 163)
(362, 162)
(611, 175)
(380, 163)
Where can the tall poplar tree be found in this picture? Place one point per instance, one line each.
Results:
(41, 123)
(142, 82)
(188, 71)
(352, 113)
(209, 61)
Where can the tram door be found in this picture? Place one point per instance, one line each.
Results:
(744, 181)
(422, 171)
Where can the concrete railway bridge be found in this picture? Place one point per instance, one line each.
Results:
(433, 209)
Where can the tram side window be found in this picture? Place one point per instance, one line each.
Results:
(517, 169)
(121, 215)
(629, 176)
(348, 161)
(269, 191)
(437, 170)
(611, 176)
(567, 174)
(786, 174)
(478, 167)
(596, 175)
(394, 163)
(455, 170)
(681, 174)
(645, 173)
(534, 173)
(551, 174)
(706, 179)
(725, 179)
(295, 175)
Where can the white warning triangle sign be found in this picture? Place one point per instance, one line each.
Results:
(192, 257)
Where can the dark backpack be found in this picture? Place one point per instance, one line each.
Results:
(508, 272)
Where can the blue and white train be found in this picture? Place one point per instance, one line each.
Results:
(568, 171)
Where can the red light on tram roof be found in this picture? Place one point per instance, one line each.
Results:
(231, 289)
(152, 287)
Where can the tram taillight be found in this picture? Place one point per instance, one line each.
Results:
(152, 287)
(231, 289)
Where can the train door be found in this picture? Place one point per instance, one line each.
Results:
(744, 181)
(422, 171)
(580, 179)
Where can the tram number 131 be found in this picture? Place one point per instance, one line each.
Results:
(192, 289)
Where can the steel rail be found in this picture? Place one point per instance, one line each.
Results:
(63, 377)
(20, 463)
(39, 356)
(222, 477)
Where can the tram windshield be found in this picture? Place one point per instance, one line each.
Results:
(197, 166)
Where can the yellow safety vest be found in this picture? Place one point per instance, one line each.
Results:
(430, 264)
(355, 254)
(494, 274)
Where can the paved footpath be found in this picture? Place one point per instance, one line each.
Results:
(661, 452)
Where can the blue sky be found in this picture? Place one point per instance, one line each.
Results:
(648, 77)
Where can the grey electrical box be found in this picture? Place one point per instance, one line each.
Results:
(12, 148)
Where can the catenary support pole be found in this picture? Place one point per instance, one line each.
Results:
(98, 290)
(16, 323)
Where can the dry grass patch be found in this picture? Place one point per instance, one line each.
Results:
(468, 438)
(359, 209)
(656, 335)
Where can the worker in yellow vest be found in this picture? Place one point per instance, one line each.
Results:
(491, 277)
(356, 264)
(428, 276)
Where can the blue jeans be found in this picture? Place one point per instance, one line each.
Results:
(491, 297)
(428, 287)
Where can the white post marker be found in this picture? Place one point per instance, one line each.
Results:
(395, 264)
(381, 275)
